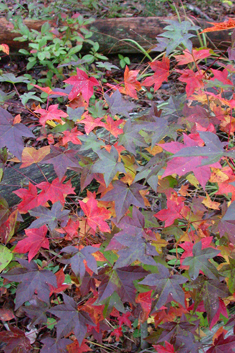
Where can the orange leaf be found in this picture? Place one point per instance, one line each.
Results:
(5, 48)
(30, 155)
(131, 84)
(221, 26)
(210, 204)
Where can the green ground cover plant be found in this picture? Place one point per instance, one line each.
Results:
(139, 255)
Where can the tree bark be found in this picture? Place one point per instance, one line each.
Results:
(110, 34)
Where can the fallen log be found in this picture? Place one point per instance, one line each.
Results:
(111, 33)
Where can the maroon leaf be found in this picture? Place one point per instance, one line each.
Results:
(222, 344)
(78, 257)
(49, 217)
(52, 345)
(11, 134)
(167, 286)
(121, 281)
(124, 196)
(16, 341)
(61, 160)
(31, 280)
(71, 319)
(118, 105)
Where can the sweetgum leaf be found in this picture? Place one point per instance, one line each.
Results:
(78, 257)
(31, 280)
(36, 311)
(11, 134)
(131, 137)
(9, 77)
(61, 160)
(120, 281)
(223, 345)
(173, 330)
(71, 319)
(90, 142)
(174, 34)
(199, 261)
(136, 249)
(213, 150)
(108, 164)
(16, 341)
(49, 217)
(118, 105)
(166, 285)
(211, 291)
(124, 196)
(52, 345)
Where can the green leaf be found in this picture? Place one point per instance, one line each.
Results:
(199, 261)
(108, 164)
(12, 79)
(29, 95)
(5, 257)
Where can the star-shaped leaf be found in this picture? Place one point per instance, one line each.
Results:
(36, 239)
(96, 216)
(131, 137)
(108, 164)
(136, 249)
(52, 345)
(61, 160)
(118, 105)
(49, 217)
(31, 280)
(16, 341)
(166, 285)
(222, 344)
(71, 319)
(82, 84)
(199, 261)
(124, 196)
(11, 134)
(119, 280)
(77, 259)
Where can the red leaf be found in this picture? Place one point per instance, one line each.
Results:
(72, 136)
(160, 349)
(191, 57)
(124, 319)
(175, 210)
(16, 341)
(49, 91)
(161, 73)
(112, 126)
(29, 198)
(36, 239)
(53, 113)
(222, 344)
(131, 84)
(95, 215)
(75, 347)
(60, 277)
(220, 26)
(81, 84)
(91, 123)
(193, 80)
(56, 191)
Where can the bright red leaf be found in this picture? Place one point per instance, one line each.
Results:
(81, 84)
(55, 191)
(53, 113)
(36, 239)
(161, 73)
(96, 216)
